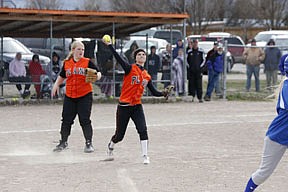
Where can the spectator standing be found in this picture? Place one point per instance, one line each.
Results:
(36, 71)
(17, 73)
(129, 54)
(211, 54)
(166, 65)
(195, 60)
(190, 45)
(253, 57)
(215, 64)
(178, 77)
(179, 45)
(153, 65)
(271, 61)
(54, 67)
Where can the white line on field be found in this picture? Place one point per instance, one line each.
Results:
(126, 183)
(149, 125)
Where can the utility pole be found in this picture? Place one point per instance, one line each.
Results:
(184, 51)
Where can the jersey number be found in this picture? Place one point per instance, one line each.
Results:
(135, 80)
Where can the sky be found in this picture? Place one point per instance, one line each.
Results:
(66, 4)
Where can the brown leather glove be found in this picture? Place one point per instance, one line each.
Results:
(91, 75)
(167, 91)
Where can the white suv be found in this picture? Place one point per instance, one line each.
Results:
(142, 42)
(263, 37)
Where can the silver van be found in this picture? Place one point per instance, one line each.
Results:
(42, 46)
(166, 34)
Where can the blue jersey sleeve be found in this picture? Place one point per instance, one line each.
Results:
(283, 97)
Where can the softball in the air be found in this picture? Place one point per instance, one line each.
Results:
(107, 38)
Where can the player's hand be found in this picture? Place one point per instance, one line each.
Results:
(55, 90)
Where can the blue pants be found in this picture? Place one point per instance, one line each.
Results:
(251, 69)
(213, 79)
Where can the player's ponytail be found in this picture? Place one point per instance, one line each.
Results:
(279, 88)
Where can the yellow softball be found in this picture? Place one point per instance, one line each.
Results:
(106, 38)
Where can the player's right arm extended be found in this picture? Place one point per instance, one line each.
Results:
(124, 65)
(56, 85)
(60, 79)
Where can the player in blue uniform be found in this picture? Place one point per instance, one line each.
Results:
(276, 140)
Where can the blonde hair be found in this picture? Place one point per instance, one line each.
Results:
(73, 46)
(279, 88)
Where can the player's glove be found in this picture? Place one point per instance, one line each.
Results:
(91, 75)
(167, 91)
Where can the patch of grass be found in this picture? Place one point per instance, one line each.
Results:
(247, 96)
(236, 91)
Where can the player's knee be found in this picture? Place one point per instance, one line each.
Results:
(117, 138)
(85, 122)
(143, 135)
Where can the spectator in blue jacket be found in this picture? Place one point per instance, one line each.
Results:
(271, 61)
(215, 68)
(179, 45)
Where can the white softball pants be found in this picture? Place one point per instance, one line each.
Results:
(272, 154)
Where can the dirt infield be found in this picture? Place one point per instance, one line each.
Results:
(208, 147)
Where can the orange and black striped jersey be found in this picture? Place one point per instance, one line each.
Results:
(76, 85)
(133, 85)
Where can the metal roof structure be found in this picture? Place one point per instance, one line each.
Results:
(79, 23)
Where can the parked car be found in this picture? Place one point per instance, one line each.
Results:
(161, 34)
(281, 41)
(235, 43)
(11, 47)
(166, 34)
(147, 32)
(208, 45)
(42, 46)
(264, 36)
(219, 34)
(160, 44)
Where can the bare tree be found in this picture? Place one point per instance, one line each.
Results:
(249, 13)
(44, 4)
(146, 5)
(90, 5)
(243, 14)
(203, 12)
(272, 12)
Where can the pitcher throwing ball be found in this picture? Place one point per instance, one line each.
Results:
(135, 80)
